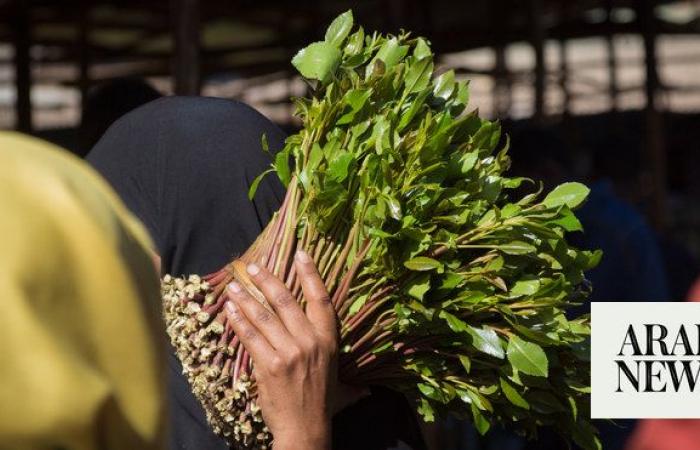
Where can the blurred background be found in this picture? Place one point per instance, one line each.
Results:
(604, 91)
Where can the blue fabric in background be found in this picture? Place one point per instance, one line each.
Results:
(631, 269)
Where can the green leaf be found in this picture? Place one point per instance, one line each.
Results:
(444, 85)
(254, 186)
(418, 287)
(394, 207)
(422, 49)
(318, 61)
(382, 347)
(356, 99)
(416, 105)
(487, 341)
(513, 395)
(455, 324)
(517, 248)
(430, 391)
(466, 362)
(423, 263)
(390, 53)
(426, 411)
(463, 93)
(418, 75)
(338, 168)
(567, 220)
(569, 194)
(527, 357)
(282, 167)
(354, 46)
(339, 29)
(357, 304)
(525, 287)
(573, 406)
(481, 424)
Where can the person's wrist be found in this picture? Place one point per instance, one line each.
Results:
(316, 437)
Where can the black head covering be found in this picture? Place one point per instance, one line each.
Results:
(183, 165)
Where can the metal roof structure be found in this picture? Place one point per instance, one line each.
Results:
(190, 45)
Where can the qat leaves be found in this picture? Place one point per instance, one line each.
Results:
(486, 340)
(423, 263)
(339, 29)
(318, 61)
(569, 194)
(418, 75)
(527, 357)
(473, 256)
(513, 395)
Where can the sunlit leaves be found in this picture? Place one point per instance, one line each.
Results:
(569, 194)
(422, 263)
(527, 357)
(318, 61)
(339, 29)
(460, 249)
(486, 340)
(513, 395)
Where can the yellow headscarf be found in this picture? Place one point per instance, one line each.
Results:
(80, 330)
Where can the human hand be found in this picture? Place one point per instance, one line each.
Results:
(295, 354)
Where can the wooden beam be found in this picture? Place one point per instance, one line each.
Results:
(22, 62)
(611, 58)
(84, 51)
(186, 60)
(564, 76)
(537, 39)
(655, 145)
(502, 92)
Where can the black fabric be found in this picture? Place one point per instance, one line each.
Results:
(183, 165)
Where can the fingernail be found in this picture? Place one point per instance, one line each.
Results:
(230, 307)
(234, 287)
(253, 269)
(302, 256)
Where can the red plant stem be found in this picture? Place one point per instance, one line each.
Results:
(277, 225)
(289, 232)
(368, 308)
(217, 306)
(237, 365)
(216, 277)
(227, 367)
(367, 338)
(340, 261)
(246, 364)
(342, 290)
(324, 266)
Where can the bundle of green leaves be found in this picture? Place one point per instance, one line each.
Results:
(450, 278)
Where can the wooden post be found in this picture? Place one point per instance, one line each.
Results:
(22, 62)
(611, 60)
(502, 92)
(655, 146)
(564, 63)
(186, 60)
(502, 95)
(537, 33)
(84, 28)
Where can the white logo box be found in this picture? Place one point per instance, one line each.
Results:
(658, 394)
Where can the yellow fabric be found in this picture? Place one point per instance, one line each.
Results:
(80, 332)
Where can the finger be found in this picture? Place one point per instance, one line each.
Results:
(266, 322)
(251, 339)
(281, 299)
(319, 308)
